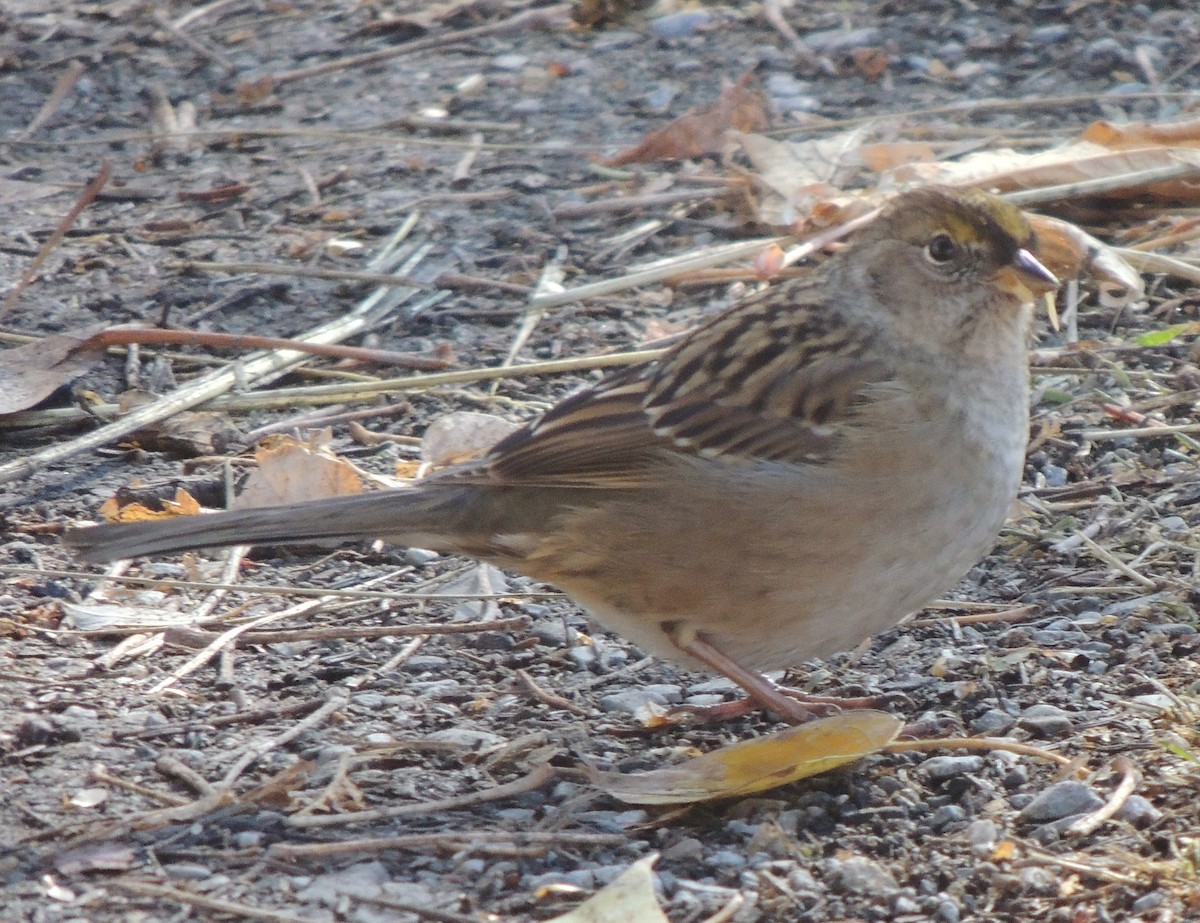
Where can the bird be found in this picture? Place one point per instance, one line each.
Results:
(794, 476)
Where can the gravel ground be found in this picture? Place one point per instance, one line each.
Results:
(1093, 655)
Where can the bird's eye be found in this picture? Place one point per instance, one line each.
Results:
(941, 249)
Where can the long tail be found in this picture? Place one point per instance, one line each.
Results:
(409, 517)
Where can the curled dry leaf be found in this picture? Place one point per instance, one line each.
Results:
(184, 504)
(187, 434)
(795, 177)
(290, 471)
(1008, 170)
(1143, 134)
(757, 765)
(1070, 252)
(742, 106)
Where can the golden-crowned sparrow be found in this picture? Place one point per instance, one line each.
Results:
(796, 475)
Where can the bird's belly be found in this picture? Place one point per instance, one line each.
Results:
(790, 579)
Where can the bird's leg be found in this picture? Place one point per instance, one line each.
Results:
(792, 705)
(761, 691)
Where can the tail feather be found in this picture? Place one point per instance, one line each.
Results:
(404, 516)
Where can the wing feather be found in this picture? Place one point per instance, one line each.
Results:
(769, 380)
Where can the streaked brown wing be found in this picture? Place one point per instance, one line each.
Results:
(770, 380)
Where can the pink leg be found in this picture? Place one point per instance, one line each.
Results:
(792, 705)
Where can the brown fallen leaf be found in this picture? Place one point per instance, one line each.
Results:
(742, 106)
(1142, 134)
(461, 436)
(31, 373)
(290, 471)
(757, 765)
(1070, 252)
(793, 177)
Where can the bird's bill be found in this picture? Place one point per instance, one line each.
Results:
(1025, 278)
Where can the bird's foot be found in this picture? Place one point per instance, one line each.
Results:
(792, 705)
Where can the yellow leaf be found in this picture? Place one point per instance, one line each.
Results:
(761, 764)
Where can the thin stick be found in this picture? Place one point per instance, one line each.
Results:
(978, 743)
(369, 312)
(554, 701)
(301, 272)
(192, 899)
(451, 839)
(1119, 181)
(1129, 781)
(158, 336)
(531, 782)
(530, 19)
(62, 87)
(1106, 556)
(85, 199)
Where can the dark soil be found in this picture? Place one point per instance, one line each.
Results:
(1102, 664)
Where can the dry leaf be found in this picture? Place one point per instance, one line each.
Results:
(886, 156)
(461, 436)
(628, 898)
(187, 434)
(1007, 170)
(290, 471)
(31, 373)
(871, 62)
(184, 504)
(799, 179)
(757, 765)
(742, 106)
(1070, 252)
(1142, 134)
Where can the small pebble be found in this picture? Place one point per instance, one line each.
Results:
(1147, 902)
(1139, 812)
(632, 701)
(467, 737)
(436, 689)
(1038, 880)
(582, 655)
(947, 817)
(424, 663)
(1049, 35)
(859, 875)
(679, 25)
(993, 723)
(1062, 799)
(941, 768)
(1174, 526)
(838, 41)
(982, 835)
(689, 848)
(1045, 721)
(727, 860)
(419, 557)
